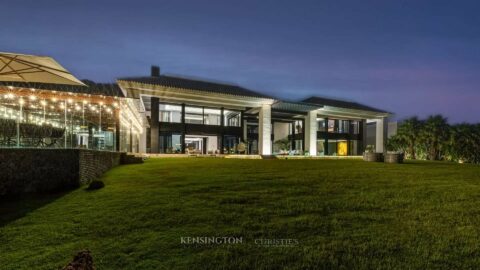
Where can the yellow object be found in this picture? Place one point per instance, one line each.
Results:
(342, 148)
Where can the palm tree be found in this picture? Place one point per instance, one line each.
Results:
(408, 132)
(435, 135)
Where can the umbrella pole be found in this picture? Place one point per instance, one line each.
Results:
(65, 103)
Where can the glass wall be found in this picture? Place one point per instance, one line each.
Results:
(212, 116)
(355, 127)
(193, 115)
(230, 144)
(170, 143)
(298, 125)
(322, 126)
(321, 147)
(33, 118)
(170, 113)
(338, 126)
(232, 118)
(353, 147)
(199, 115)
(338, 148)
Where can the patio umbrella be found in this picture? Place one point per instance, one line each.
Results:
(31, 68)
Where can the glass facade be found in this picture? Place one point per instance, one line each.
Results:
(33, 118)
(355, 125)
(170, 113)
(321, 147)
(212, 117)
(193, 115)
(170, 144)
(321, 125)
(338, 126)
(232, 118)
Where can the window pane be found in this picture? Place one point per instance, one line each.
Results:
(321, 125)
(298, 127)
(356, 127)
(170, 113)
(331, 125)
(212, 116)
(193, 115)
(232, 118)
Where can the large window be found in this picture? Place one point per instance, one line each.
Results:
(298, 126)
(170, 143)
(193, 115)
(212, 116)
(338, 126)
(321, 125)
(232, 118)
(170, 113)
(355, 127)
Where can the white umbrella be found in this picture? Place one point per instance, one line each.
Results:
(31, 68)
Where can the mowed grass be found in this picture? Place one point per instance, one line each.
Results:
(345, 214)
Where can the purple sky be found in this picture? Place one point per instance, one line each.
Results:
(408, 57)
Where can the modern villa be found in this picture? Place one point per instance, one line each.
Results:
(43, 105)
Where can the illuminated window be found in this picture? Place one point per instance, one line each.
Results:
(170, 113)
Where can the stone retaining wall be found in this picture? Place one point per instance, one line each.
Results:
(41, 170)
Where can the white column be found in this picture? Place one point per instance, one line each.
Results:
(265, 130)
(311, 133)
(381, 134)
(142, 147)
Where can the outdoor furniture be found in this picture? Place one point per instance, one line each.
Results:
(8, 132)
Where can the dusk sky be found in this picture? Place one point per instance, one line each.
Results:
(408, 57)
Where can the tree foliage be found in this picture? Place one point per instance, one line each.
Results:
(434, 139)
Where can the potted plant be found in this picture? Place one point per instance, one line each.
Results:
(370, 154)
(283, 146)
(394, 157)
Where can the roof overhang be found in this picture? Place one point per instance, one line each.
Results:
(329, 111)
(194, 97)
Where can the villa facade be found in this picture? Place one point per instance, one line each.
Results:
(163, 114)
(184, 115)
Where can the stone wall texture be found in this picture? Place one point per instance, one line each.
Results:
(44, 170)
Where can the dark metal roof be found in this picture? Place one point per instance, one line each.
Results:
(341, 104)
(195, 84)
(92, 88)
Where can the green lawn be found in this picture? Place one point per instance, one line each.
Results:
(345, 214)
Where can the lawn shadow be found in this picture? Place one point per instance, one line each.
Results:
(14, 208)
